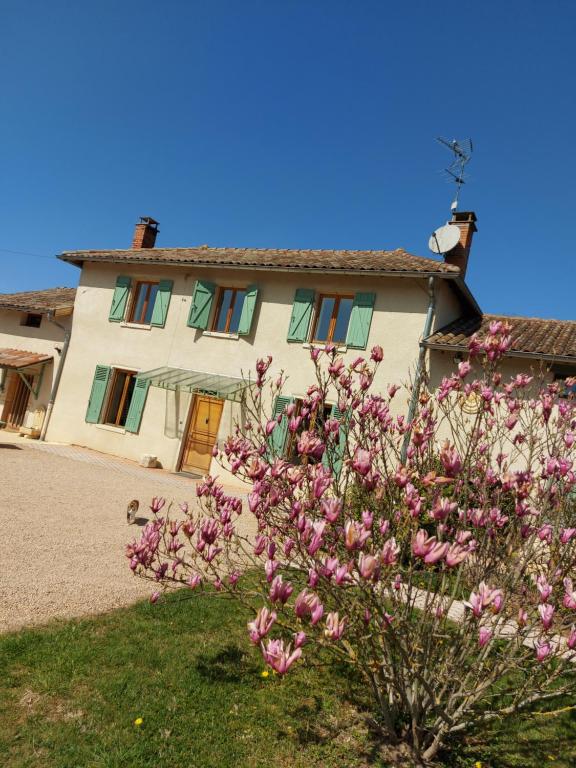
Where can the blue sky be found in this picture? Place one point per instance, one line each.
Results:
(291, 123)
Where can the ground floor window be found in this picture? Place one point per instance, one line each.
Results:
(313, 422)
(119, 397)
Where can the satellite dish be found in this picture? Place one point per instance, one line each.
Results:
(444, 239)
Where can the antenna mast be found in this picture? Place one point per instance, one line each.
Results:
(462, 151)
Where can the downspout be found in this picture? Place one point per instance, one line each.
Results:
(420, 365)
(55, 385)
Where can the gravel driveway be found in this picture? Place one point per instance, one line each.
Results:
(64, 530)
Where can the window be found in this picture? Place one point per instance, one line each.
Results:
(223, 310)
(228, 310)
(340, 319)
(567, 382)
(32, 320)
(119, 397)
(143, 303)
(332, 318)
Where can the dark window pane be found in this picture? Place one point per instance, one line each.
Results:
(128, 398)
(342, 320)
(139, 303)
(225, 304)
(324, 317)
(115, 397)
(237, 311)
(153, 290)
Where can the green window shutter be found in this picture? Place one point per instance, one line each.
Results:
(248, 308)
(334, 456)
(201, 304)
(134, 416)
(277, 440)
(99, 386)
(301, 314)
(120, 299)
(161, 303)
(360, 319)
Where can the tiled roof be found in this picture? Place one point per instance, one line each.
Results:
(552, 339)
(18, 358)
(340, 261)
(39, 301)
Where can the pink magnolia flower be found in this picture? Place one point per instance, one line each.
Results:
(464, 369)
(279, 657)
(270, 427)
(546, 612)
(157, 503)
(566, 534)
(367, 565)
(355, 535)
(361, 462)
(422, 543)
(377, 354)
(261, 625)
(571, 640)
(450, 459)
(270, 568)
(310, 444)
(436, 553)
(522, 617)
(544, 588)
(569, 600)
(390, 551)
(334, 626)
(484, 636)
(485, 597)
(308, 605)
(194, 581)
(543, 649)
(299, 639)
(317, 537)
(280, 590)
(455, 555)
(331, 509)
(341, 575)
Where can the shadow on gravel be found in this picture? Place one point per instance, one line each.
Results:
(10, 445)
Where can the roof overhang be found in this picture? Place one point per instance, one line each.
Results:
(185, 380)
(549, 358)
(18, 359)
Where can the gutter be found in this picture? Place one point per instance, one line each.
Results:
(56, 383)
(420, 365)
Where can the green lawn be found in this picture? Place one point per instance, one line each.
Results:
(70, 693)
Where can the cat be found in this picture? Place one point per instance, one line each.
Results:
(131, 511)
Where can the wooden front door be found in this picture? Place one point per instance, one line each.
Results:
(16, 402)
(202, 433)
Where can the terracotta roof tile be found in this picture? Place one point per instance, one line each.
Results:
(530, 335)
(19, 358)
(299, 260)
(39, 301)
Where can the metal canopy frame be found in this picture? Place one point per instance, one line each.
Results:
(21, 373)
(181, 379)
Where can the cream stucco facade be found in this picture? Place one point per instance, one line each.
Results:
(397, 324)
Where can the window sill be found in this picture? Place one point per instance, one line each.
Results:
(218, 335)
(140, 326)
(111, 428)
(314, 345)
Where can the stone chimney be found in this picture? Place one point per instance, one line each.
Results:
(145, 233)
(466, 223)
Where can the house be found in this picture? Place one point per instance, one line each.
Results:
(164, 337)
(35, 327)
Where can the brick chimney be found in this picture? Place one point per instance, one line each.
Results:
(466, 223)
(145, 233)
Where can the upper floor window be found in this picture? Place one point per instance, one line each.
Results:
(332, 318)
(32, 320)
(143, 302)
(338, 318)
(222, 309)
(228, 310)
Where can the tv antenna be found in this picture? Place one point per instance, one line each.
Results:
(462, 151)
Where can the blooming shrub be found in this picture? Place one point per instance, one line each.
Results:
(437, 557)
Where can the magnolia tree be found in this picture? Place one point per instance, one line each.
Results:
(435, 556)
